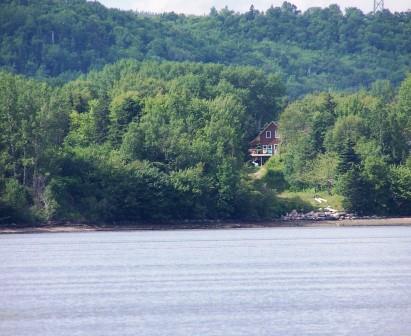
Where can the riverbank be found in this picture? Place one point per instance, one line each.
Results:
(59, 228)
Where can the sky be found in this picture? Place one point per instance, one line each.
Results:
(200, 7)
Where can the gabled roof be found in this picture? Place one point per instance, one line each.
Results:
(267, 125)
(257, 138)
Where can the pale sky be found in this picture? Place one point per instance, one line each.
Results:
(203, 6)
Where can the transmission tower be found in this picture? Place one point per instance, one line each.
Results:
(378, 5)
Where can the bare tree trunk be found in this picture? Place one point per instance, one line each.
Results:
(13, 157)
(24, 166)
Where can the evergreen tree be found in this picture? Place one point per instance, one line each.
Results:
(348, 158)
(356, 191)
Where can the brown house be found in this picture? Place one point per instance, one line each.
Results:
(266, 144)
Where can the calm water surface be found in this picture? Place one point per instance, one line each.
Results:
(286, 281)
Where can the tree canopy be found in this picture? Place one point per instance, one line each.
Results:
(316, 50)
(116, 116)
(356, 145)
(135, 141)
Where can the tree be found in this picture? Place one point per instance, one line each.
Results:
(404, 106)
(322, 120)
(401, 188)
(377, 172)
(347, 128)
(348, 158)
(15, 203)
(356, 190)
(124, 109)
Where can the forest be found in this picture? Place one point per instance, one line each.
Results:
(321, 49)
(135, 141)
(121, 117)
(149, 141)
(356, 145)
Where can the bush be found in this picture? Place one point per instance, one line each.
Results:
(274, 177)
(15, 203)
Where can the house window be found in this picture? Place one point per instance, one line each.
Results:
(264, 149)
(268, 134)
(275, 134)
(270, 149)
(275, 149)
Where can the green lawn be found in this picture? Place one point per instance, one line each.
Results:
(334, 201)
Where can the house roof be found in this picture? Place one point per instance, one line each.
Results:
(257, 138)
(267, 125)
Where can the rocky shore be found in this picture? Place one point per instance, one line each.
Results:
(327, 214)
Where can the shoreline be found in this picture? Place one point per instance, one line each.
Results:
(67, 228)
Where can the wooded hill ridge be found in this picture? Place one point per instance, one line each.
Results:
(135, 141)
(316, 50)
(150, 141)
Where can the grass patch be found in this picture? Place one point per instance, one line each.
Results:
(307, 197)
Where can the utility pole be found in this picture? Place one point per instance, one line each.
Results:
(378, 5)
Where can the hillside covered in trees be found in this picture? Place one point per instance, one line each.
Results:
(135, 141)
(158, 141)
(356, 145)
(317, 50)
(112, 116)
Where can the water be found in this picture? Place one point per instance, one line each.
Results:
(286, 281)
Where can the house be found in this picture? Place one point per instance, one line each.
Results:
(265, 144)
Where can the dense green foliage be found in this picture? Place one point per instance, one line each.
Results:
(136, 141)
(318, 50)
(356, 145)
(162, 133)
